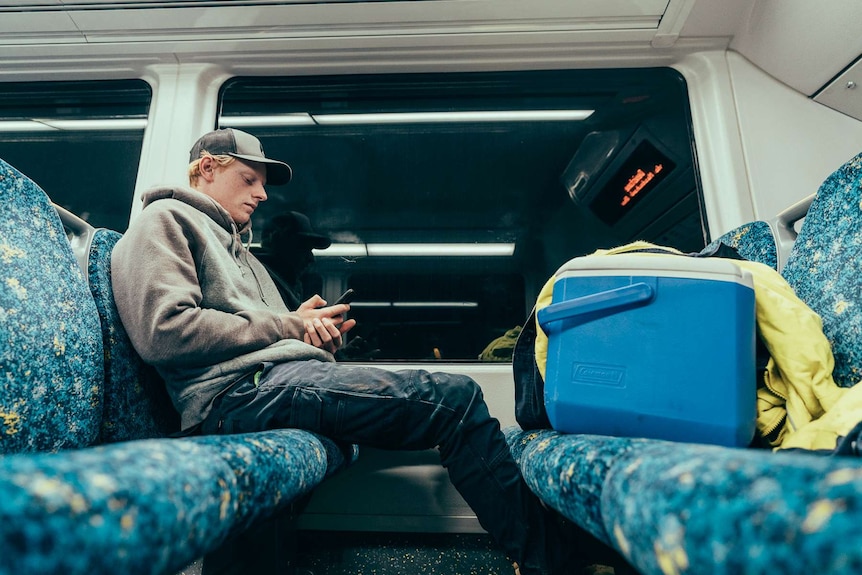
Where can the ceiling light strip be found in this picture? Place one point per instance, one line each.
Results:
(304, 119)
(418, 250)
(454, 117)
(415, 304)
(298, 119)
(436, 304)
(48, 124)
(23, 126)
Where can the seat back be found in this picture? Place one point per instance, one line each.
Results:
(136, 402)
(753, 241)
(821, 266)
(51, 370)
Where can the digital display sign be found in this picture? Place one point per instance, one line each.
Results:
(639, 174)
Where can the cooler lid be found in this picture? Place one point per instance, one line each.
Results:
(660, 265)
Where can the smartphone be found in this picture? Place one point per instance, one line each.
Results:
(346, 297)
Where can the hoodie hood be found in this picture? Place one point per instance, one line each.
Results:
(195, 303)
(199, 201)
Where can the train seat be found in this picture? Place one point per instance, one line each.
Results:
(88, 481)
(687, 508)
(823, 265)
(142, 409)
(753, 241)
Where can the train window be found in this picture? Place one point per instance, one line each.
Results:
(80, 141)
(449, 198)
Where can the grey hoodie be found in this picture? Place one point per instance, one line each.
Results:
(195, 303)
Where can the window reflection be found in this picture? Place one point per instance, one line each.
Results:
(394, 168)
(80, 141)
(429, 316)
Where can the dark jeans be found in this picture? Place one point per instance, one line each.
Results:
(408, 410)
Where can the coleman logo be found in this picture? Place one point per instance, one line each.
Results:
(598, 374)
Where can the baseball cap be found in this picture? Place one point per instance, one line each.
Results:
(293, 225)
(244, 146)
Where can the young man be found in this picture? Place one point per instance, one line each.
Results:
(202, 309)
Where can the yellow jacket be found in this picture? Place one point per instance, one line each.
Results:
(798, 403)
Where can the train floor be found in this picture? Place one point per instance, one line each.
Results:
(352, 553)
(364, 553)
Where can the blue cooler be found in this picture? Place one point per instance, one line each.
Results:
(649, 345)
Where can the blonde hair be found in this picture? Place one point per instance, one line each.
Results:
(195, 167)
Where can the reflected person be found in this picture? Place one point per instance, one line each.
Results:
(287, 244)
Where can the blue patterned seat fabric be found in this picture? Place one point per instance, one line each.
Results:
(50, 387)
(136, 403)
(823, 266)
(673, 508)
(141, 503)
(149, 506)
(753, 241)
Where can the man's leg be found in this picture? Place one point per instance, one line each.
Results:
(402, 410)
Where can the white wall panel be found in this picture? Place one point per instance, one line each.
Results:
(802, 43)
(791, 143)
(720, 156)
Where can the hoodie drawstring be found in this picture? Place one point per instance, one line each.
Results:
(246, 250)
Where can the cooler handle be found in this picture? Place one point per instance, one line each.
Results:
(639, 293)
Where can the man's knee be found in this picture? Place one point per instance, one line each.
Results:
(461, 393)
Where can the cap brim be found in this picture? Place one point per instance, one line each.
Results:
(277, 173)
(316, 241)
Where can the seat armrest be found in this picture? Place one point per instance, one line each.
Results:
(786, 227)
(80, 236)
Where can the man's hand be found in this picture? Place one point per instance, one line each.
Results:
(325, 325)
